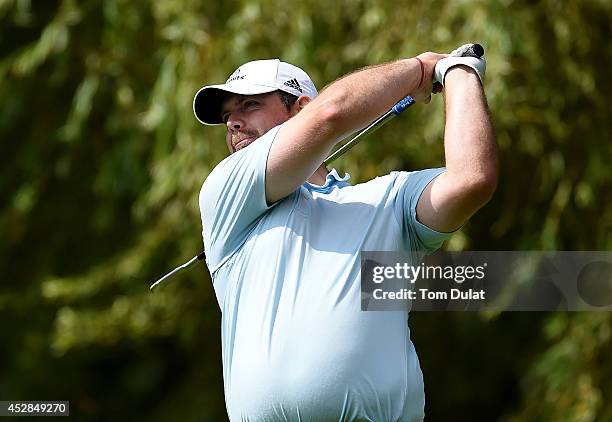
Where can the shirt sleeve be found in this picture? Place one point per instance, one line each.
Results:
(410, 187)
(233, 199)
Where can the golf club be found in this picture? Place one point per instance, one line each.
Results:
(476, 50)
(199, 257)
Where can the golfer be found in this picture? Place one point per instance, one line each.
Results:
(283, 233)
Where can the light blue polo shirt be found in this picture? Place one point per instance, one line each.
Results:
(295, 344)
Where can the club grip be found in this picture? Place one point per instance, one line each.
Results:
(402, 105)
(475, 50)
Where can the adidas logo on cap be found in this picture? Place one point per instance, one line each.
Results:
(293, 83)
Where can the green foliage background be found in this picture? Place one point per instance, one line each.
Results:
(102, 161)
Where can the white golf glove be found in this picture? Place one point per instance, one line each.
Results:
(456, 58)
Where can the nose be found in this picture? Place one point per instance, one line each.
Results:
(234, 122)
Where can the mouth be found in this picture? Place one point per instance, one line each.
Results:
(241, 143)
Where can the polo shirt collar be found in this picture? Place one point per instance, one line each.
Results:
(332, 179)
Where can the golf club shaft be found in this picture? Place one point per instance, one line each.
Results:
(199, 257)
(398, 108)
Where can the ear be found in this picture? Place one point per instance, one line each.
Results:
(300, 103)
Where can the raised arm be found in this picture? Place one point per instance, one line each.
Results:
(471, 156)
(345, 106)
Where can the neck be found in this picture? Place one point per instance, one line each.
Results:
(319, 176)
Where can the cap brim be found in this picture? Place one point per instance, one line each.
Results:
(208, 100)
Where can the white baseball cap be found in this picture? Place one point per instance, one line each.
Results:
(256, 77)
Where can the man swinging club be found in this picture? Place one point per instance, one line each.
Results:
(283, 234)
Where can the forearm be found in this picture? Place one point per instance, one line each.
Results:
(469, 142)
(362, 96)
